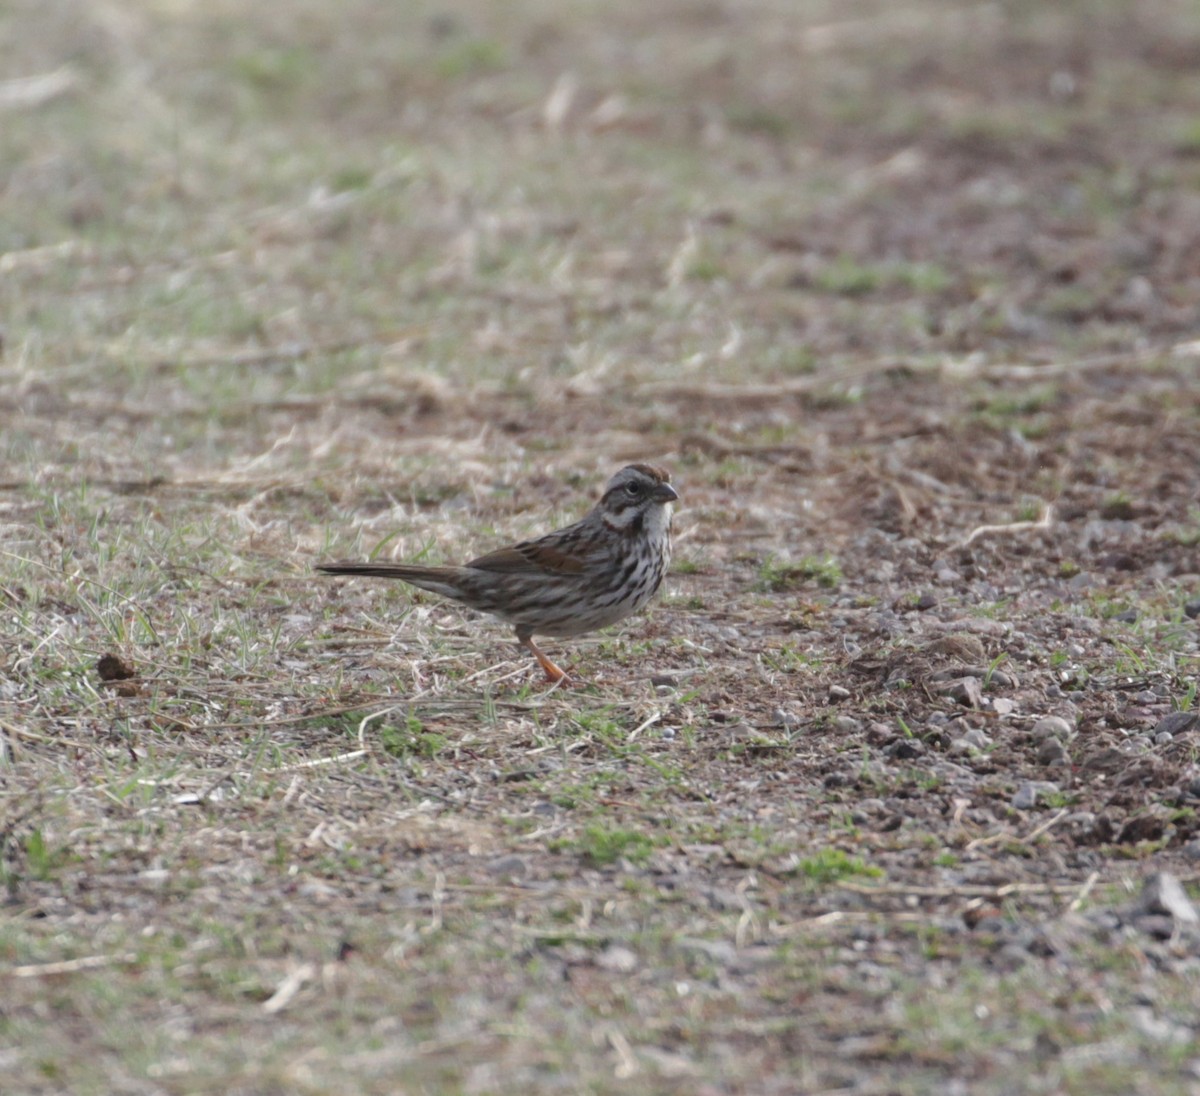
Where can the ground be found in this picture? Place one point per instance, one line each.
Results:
(894, 791)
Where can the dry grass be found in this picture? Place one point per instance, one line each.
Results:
(414, 279)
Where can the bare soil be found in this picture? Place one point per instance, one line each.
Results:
(896, 789)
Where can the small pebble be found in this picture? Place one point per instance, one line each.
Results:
(1159, 1029)
(512, 867)
(1052, 752)
(926, 602)
(838, 693)
(1192, 609)
(847, 724)
(1028, 794)
(904, 749)
(617, 958)
(1163, 893)
(1010, 957)
(976, 738)
(967, 691)
(1177, 723)
(938, 738)
(1157, 925)
(1052, 726)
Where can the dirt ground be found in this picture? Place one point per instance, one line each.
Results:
(895, 790)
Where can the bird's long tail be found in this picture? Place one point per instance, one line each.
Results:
(439, 580)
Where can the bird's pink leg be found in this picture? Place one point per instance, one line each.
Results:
(553, 672)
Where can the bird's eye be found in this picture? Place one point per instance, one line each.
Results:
(633, 488)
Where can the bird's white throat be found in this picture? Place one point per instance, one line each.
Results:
(658, 522)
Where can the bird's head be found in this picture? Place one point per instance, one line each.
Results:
(638, 494)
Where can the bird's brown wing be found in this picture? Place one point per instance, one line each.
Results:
(531, 557)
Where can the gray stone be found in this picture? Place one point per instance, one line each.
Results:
(904, 749)
(1052, 726)
(1163, 893)
(719, 951)
(1158, 1029)
(1052, 752)
(975, 738)
(1177, 723)
(1080, 822)
(617, 958)
(513, 867)
(1159, 925)
(1028, 794)
(967, 691)
(998, 678)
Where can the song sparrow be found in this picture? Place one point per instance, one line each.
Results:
(586, 576)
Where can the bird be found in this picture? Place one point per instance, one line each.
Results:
(577, 579)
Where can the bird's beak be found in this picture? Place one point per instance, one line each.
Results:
(664, 492)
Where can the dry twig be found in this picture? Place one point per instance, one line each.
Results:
(1044, 522)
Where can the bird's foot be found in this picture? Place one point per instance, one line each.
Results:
(554, 673)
